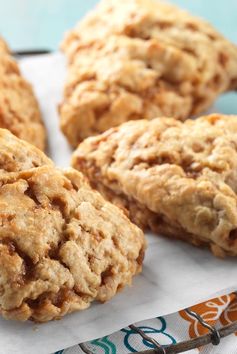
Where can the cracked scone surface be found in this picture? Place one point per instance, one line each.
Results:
(134, 59)
(179, 179)
(61, 244)
(19, 109)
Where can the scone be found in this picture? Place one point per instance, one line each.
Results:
(61, 244)
(3, 47)
(135, 59)
(179, 179)
(19, 110)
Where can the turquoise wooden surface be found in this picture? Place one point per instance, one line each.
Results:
(41, 23)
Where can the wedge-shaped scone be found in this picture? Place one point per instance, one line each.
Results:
(19, 110)
(179, 179)
(61, 244)
(134, 59)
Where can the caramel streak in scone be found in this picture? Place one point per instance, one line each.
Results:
(19, 110)
(176, 178)
(62, 245)
(134, 59)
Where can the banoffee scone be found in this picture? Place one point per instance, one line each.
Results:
(19, 109)
(178, 179)
(136, 59)
(62, 245)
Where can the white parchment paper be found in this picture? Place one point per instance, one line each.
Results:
(175, 274)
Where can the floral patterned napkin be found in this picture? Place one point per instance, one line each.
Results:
(170, 329)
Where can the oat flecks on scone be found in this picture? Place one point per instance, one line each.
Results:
(134, 59)
(61, 244)
(177, 178)
(19, 110)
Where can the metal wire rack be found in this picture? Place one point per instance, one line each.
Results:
(213, 337)
(29, 52)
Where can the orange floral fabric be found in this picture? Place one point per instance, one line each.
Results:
(223, 309)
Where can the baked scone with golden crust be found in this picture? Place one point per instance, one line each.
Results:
(61, 244)
(179, 179)
(19, 110)
(3, 46)
(136, 59)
